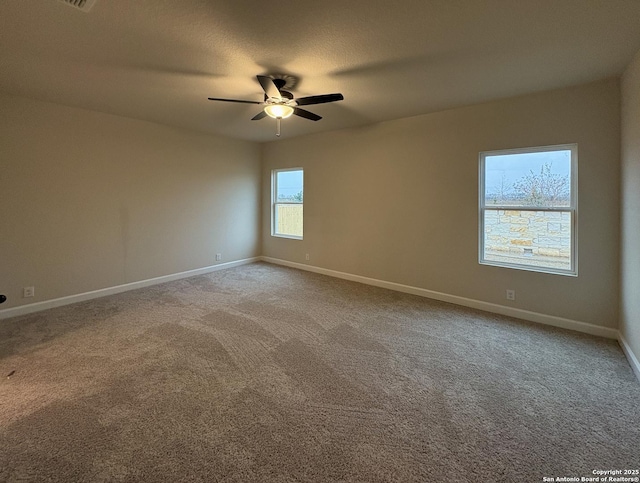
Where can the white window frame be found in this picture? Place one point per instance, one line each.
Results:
(274, 203)
(573, 209)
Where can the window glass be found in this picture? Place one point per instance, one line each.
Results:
(528, 179)
(289, 186)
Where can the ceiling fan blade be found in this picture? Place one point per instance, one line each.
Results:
(269, 87)
(259, 116)
(233, 100)
(306, 114)
(306, 101)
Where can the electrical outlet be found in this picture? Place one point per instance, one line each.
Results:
(511, 294)
(306, 257)
(218, 257)
(28, 292)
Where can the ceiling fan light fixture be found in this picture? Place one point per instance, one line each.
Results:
(278, 111)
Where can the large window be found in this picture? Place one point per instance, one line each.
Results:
(528, 208)
(287, 202)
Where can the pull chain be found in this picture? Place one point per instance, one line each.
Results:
(278, 126)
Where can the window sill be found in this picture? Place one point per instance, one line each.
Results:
(529, 268)
(290, 237)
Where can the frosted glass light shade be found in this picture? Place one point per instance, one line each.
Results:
(276, 111)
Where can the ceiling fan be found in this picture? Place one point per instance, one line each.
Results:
(280, 104)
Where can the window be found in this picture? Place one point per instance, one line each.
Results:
(528, 208)
(287, 201)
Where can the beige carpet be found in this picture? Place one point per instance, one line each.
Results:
(263, 373)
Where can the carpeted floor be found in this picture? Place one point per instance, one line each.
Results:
(269, 374)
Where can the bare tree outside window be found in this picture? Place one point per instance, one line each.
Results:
(544, 188)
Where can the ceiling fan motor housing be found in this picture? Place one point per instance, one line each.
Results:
(285, 94)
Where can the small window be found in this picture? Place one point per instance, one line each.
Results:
(287, 201)
(528, 209)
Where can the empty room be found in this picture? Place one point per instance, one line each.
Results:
(320, 241)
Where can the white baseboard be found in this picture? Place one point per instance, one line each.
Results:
(631, 357)
(72, 299)
(466, 302)
(454, 299)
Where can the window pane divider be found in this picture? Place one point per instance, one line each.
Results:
(527, 208)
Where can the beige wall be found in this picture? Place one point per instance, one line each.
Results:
(90, 200)
(398, 201)
(630, 252)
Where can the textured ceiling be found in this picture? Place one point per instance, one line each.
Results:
(159, 60)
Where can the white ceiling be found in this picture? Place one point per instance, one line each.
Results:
(159, 60)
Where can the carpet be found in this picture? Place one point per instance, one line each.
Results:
(270, 374)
